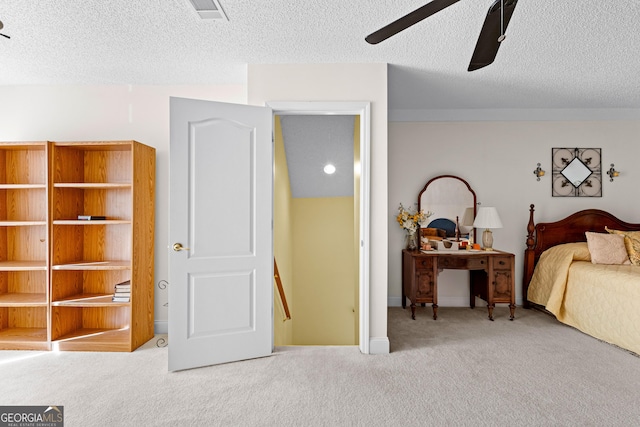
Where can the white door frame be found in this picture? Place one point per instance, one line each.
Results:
(363, 110)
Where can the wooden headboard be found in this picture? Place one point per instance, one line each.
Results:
(544, 235)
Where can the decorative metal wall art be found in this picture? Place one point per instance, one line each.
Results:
(577, 172)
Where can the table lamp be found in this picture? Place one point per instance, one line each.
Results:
(487, 218)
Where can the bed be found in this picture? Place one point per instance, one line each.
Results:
(565, 277)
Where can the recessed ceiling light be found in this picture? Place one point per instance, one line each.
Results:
(329, 169)
(209, 9)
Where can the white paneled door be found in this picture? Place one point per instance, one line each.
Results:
(220, 233)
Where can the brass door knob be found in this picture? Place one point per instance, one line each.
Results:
(178, 247)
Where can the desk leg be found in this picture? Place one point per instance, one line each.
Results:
(490, 308)
(435, 311)
(405, 279)
(477, 282)
(512, 309)
(472, 297)
(413, 311)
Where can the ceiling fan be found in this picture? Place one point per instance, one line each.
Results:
(491, 35)
(3, 35)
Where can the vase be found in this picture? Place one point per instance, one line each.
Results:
(410, 241)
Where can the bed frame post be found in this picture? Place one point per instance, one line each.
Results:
(529, 259)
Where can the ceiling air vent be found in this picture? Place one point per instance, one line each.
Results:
(209, 9)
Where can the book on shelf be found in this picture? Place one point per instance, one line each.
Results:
(123, 285)
(91, 217)
(122, 292)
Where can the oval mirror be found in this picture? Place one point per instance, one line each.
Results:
(452, 202)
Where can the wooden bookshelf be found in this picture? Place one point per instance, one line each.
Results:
(57, 273)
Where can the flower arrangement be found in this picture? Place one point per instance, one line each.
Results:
(410, 219)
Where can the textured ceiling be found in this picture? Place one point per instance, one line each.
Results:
(558, 54)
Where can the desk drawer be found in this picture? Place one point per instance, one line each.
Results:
(424, 263)
(462, 263)
(502, 262)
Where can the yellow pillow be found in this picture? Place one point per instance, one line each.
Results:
(631, 243)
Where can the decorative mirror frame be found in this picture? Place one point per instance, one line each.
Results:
(576, 172)
(473, 193)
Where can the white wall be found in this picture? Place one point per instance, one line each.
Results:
(498, 159)
(344, 82)
(118, 112)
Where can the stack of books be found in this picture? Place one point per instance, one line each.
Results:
(122, 292)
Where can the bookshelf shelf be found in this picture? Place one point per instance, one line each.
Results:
(23, 186)
(16, 265)
(24, 339)
(93, 185)
(84, 222)
(94, 265)
(88, 300)
(23, 300)
(21, 223)
(94, 339)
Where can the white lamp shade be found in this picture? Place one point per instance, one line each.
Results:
(487, 218)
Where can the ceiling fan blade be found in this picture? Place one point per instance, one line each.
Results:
(488, 44)
(408, 20)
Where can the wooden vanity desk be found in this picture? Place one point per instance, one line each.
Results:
(491, 277)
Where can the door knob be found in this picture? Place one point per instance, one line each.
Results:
(178, 247)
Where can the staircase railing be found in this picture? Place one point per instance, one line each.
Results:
(283, 298)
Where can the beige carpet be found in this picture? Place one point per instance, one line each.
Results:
(459, 370)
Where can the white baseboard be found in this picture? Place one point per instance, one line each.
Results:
(161, 327)
(379, 345)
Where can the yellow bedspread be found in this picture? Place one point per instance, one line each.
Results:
(600, 300)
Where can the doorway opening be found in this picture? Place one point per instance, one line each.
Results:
(327, 302)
